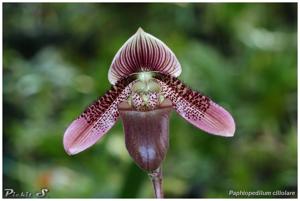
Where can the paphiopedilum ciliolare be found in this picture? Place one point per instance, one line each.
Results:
(144, 91)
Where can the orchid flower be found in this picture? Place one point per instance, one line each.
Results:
(145, 89)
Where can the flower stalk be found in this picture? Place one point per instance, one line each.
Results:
(156, 177)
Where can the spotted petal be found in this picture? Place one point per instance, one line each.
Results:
(143, 52)
(196, 108)
(97, 119)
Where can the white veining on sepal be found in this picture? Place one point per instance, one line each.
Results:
(143, 52)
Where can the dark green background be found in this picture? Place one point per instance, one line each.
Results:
(55, 62)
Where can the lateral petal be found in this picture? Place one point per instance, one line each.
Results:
(97, 119)
(196, 108)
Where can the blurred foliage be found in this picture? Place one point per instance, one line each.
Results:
(55, 62)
